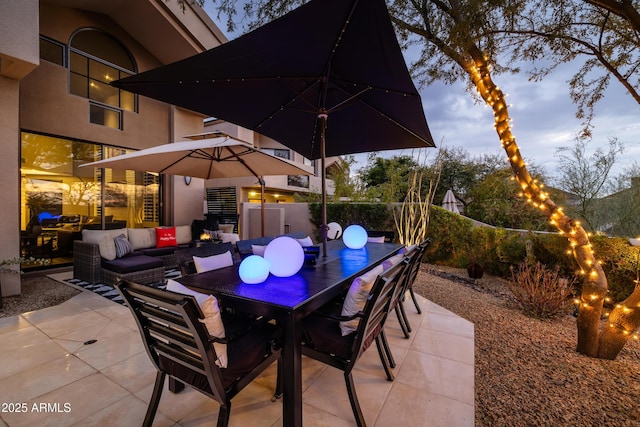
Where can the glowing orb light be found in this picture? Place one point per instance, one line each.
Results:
(354, 237)
(285, 256)
(254, 269)
(334, 230)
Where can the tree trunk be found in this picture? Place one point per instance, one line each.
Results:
(626, 317)
(623, 321)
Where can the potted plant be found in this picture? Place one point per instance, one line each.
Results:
(477, 254)
(8, 266)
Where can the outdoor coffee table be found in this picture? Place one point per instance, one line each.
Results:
(289, 299)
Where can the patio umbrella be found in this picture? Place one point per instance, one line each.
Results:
(326, 79)
(450, 202)
(218, 157)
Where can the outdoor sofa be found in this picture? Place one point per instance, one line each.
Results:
(138, 254)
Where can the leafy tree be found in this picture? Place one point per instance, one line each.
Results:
(345, 186)
(495, 201)
(587, 177)
(387, 179)
(619, 210)
(602, 32)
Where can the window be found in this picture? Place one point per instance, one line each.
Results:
(66, 198)
(52, 51)
(309, 162)
(278, 152)
(95, 60)
(298, 181)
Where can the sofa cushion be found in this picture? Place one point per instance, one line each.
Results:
(228, 237)
(141, 238)
(107, 248)
(166, 236)
(122, 245)
(132, 264)
(226, 228)
(183, 234)
(167, 250)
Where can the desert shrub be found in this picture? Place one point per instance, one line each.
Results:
(539, 291)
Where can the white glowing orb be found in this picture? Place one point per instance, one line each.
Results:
(334, 230)
(285, 256)
(254, 269)
(354, 237)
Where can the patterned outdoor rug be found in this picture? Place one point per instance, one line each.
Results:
(109, 292)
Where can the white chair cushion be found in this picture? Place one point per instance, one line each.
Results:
(357, 297)
(390, 262)
(212, 317)
(379, 239)
(306, 242)
(213, 262)
(258, 249)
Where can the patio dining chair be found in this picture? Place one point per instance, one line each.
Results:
(413, 273)
(397, 301)
(324, 341)
(239, 321)
(180, 346)
(184, 257)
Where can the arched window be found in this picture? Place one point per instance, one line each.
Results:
(95, 60)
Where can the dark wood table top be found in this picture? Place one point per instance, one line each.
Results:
(338, 269)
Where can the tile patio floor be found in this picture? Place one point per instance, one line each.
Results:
(45, 364)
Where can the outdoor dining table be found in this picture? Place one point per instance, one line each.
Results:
(289, 299)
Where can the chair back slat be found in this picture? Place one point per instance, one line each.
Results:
(180, 347)
(170, 327)
(404, 281)
(170, 335)
(177, 354)
(376, 308)
(164, 317)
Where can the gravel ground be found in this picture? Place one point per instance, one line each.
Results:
(37, 292)
(527, 370)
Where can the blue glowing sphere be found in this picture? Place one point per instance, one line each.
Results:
(254, 269)
(285, 256)
(354, 237)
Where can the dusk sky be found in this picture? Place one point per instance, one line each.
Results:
(542, 112)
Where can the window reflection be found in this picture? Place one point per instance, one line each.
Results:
(60, 199)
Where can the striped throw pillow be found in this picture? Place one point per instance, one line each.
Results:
(123, 246)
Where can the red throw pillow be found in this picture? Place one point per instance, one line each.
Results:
(166, 236)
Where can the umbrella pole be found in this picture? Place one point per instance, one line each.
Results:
(323, 227)
(261, 181)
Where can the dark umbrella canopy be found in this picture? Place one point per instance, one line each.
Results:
(335, 56)
(325, 79)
